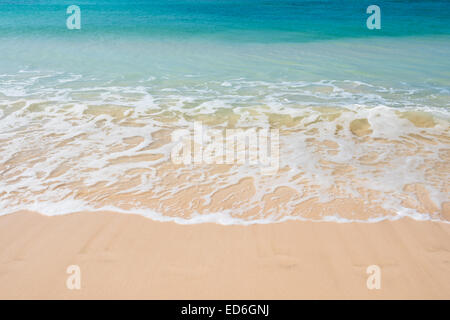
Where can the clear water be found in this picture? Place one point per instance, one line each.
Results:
(182, 59)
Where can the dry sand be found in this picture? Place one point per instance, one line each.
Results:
(129, 256)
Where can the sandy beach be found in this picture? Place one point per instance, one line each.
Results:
(284, 149)
(132, 257)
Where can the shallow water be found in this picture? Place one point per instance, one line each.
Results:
(86, 115)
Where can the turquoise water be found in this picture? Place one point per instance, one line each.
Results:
(72, 100)
(222, 39)
(238, 20)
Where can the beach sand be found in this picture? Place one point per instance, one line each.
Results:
(132, 257)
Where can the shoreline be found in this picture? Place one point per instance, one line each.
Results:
(125, 256)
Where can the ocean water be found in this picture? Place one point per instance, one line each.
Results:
(86, 115)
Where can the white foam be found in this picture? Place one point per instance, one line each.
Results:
(53, 126)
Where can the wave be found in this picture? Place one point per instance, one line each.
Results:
(349, 150)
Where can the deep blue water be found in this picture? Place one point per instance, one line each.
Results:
(236, 20)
